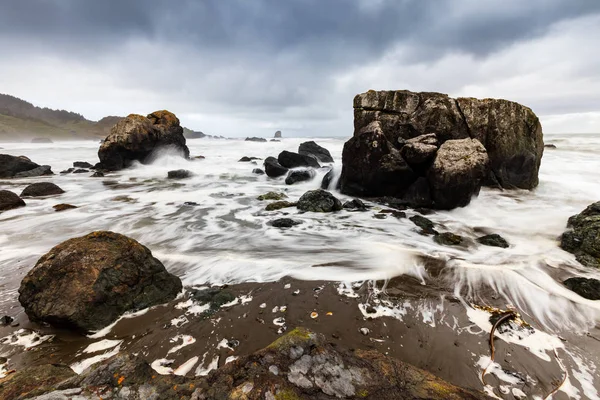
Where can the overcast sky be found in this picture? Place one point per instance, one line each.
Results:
(250, 67)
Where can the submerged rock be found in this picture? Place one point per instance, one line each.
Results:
(179, 174)
(98, 174)
(284, 223)
(356, 205)
(255, 139)
(319, 201)
(248, 159)
(493, 240)
(272, 196)
(448, 239)
(583, 239)
(63, 207)
(312, 149)
(273, 169)
(21, 167)
(278, 205)
(41, 189)
(81, 171)
(289, 159)
(296, 176)
(550, 146)
(588, 288)
(136, 137)
(10, 200)
(426, 225)
(88, 282)
(258, 171)
(82, 164)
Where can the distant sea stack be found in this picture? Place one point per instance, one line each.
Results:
(398, 135)
(277, 135)
(136, 137)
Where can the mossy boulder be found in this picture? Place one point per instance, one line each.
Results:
(493, 240)
(272, 196)
(319, 201)
(583, 238)
(86, 283)
(448, 239)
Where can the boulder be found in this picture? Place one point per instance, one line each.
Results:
(314, 150)
(448, 239)
(9, 200)
(289, 159)
(427, 226)
(179, 174)
(583, 239)
(86, 283)
(326, 182)
(82, 164)
(41, 189)
(588, 288)
(284, 223)
(457, 173)
(277, 135)
(300, 175)
(136, 137)
(11, 166)
(98, 174)
(493, 240)
(255, 139)
(273, 169)
(319, 201)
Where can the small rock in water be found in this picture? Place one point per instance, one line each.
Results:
(10, 200)
(63, 207)
(67, 171)
(190, 203)
(179, 174)
(272, 196)
(98, 174)
(248, 159)
(258, 171)
(395, 213)
(82, 164)
(588, 288)
(284, 223)
(424, 223)
(448, 239)
(299, 176)
(81, 171)
(41, 189)
(550, 146)
(319, 201)
(356, 205)
(278, 205)
(6, 320)
(494, 240)
(255, 139)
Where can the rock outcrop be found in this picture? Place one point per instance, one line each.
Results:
(273, 169)
(583, 239)
(41, 189)
(10, 200)
(398, 134)
(312, 149)
(136, 137)
(300, 365)
(21, 167)
(86, 283)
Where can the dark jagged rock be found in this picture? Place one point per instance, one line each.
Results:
(356, 205)
(289, 159)
(427, 226)
(420, 149)
(319, 201)
(457, 173)
(588, 288)
(273, 169)
(67, 171)
(583, 239)
(248, 159)
(179, 174)
(258, 171)
(272, 196)
(448, 239)
(82, 164)
(21, 167)
(314, 150)
(88, 282)
(284, 223)
(493, 240)
(255, 139)
(10, 200)
(326, 182)
(296, 176)
(136, 137)
(63, 207)
(41, 189)
(278, 205)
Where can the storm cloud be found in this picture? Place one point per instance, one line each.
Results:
(240, 67)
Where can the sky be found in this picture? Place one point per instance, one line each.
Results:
(251, 67)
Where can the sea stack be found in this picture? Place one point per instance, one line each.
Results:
(277, 135)
(399, 135)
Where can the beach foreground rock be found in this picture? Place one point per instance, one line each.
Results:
(136, 137)
(86, 283)
(583, 239)
(300, 365)
(398, 134)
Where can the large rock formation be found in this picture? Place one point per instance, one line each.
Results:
(397, 135)
(136, 137)
(583, 239)
(21, 167)
(88, 282)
